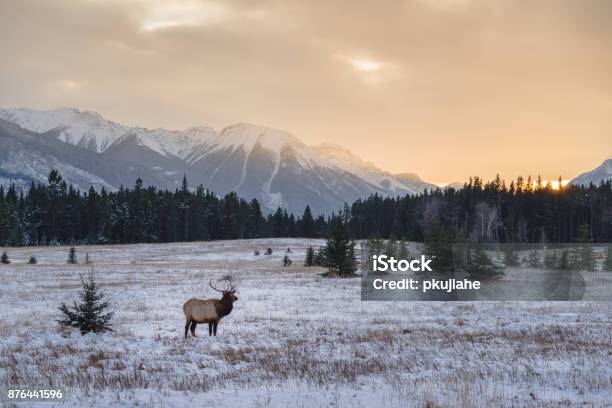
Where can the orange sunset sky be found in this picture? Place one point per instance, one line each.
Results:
(443, 88)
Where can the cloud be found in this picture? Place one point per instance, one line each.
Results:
(369, 70)
(366, 65)
(160, 14)
(448, 5)
(466, 79)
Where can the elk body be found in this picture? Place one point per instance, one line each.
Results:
(211, 311)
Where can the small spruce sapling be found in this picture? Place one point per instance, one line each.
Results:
(511, 259)
(32, 260)
(390, 248)
(90, 315)
(287, 261)
(5, 259)
(310, 257)
(480, 266)
(72, 256)
(585, 258)
(533, 259)
(339, 252)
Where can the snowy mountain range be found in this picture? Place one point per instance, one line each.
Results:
(596, 176)
(255, 161)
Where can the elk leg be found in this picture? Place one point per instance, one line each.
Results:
(215, 327)
(187, 327)
(210, 326)
(193, 326)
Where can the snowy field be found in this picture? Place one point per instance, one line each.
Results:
(294, 338)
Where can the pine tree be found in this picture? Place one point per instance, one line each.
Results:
(287, 261)
(5, 259)
(511, 259)
(375, 245)
(533, 259)
(339, 252)
(585, 258)
(308, 224)
(607, 264)
(310, 257)
(90, 314)
(390, 248)
(256, 252)
(32, 260)
(479, 266)
(319, 259)
(72, 256)
(352, 256)
(439, 248)
(268, 251)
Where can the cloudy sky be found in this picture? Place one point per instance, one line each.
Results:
(443, 88)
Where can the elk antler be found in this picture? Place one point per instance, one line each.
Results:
(211, 285)
(231, 288)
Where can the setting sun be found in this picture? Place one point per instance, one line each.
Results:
(555, 183)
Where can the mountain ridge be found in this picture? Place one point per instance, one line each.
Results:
(256, 161)
(603, 172)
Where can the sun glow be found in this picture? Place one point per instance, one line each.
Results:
(555, 184)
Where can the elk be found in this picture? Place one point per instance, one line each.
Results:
(209, 311)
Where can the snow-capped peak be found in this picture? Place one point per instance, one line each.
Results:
(342, 155)
(86, 129)
(197, 130)
(345, 159)
(247, 135)
(597, 175)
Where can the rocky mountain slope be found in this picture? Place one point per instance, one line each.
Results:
(258, 162)
(597, 175)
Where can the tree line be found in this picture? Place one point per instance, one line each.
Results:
(58, 213)
(523, 211)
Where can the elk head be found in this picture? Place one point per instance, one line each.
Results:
(228, 293)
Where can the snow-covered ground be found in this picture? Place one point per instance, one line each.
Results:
(293, 339)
